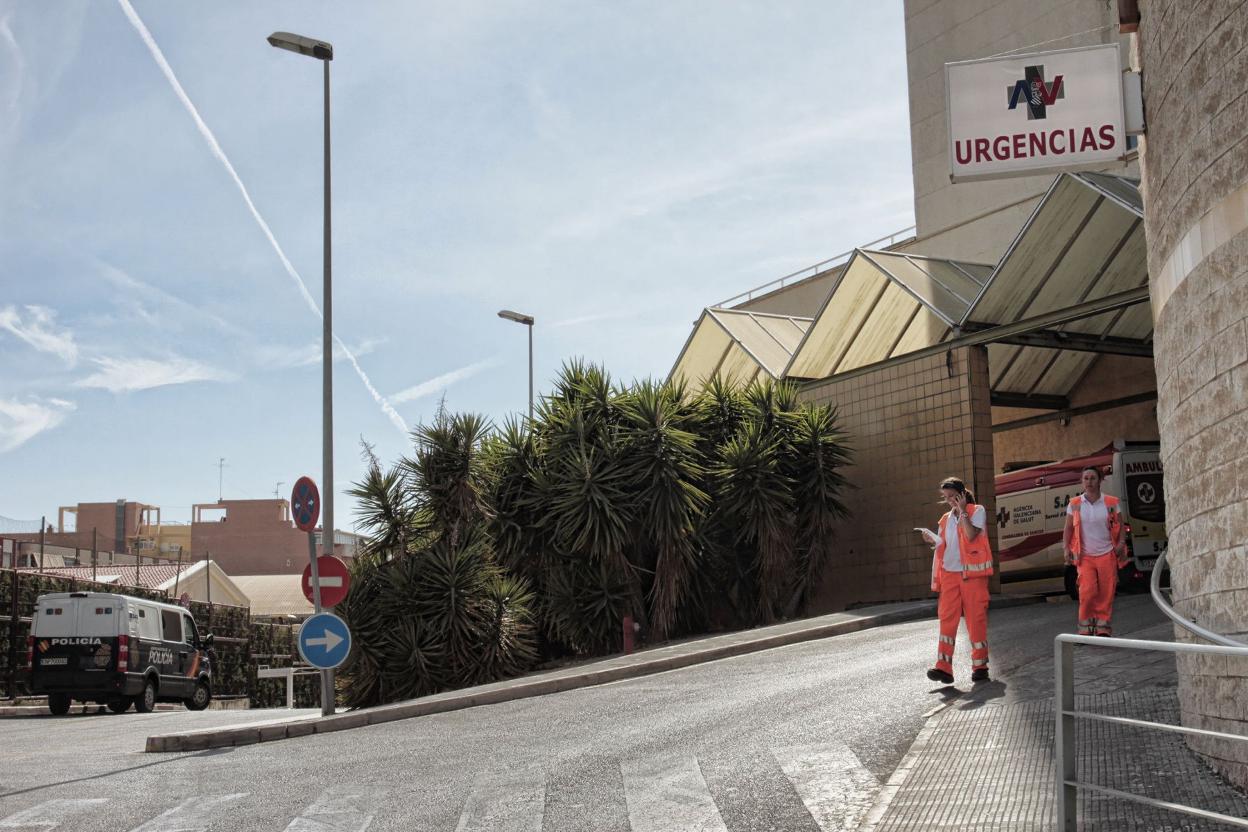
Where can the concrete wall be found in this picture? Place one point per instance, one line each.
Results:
(1111, 377)
(1195, 160)
(911, 426)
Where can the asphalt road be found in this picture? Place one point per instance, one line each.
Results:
(795, 739)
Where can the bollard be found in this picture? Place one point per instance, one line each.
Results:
(628, 634)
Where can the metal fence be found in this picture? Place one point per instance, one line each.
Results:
(1066, 736)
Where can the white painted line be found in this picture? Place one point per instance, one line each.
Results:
(830, 779)
(505, 803)
(669, 794)
(339, 809)
(194, 815)
(51, 814)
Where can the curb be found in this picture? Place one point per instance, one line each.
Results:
(889, 790)
(678, 656)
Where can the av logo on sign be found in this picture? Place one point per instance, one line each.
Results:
(1074, 113)
(1035, 93)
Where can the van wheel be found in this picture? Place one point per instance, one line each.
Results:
(119, 706)
(1072, 582)
(145, 702)
(200, 698)
(58, 703)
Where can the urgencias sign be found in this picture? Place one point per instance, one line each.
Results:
(1026, 114)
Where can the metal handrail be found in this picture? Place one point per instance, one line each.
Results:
(812, 270)
(1067, 781)
(1186, 623)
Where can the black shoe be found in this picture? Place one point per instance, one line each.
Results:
(980, 675)
(938, 675)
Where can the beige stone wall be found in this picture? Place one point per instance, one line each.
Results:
(911, 426)
(1195, 71)
(1111, 377)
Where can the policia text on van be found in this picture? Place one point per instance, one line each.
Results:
(116, 650)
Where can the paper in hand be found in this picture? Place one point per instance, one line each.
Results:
(928, 535)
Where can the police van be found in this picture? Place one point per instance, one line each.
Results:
(1031, 512)
(118, 651)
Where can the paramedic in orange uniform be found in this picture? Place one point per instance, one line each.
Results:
(1093, 540)
(961, 565)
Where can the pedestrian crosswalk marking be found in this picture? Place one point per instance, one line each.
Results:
(514, 802)
(669, 794)
(831, 781)
(664, 793)
(51, 814)
(194, 815)
(339, 809)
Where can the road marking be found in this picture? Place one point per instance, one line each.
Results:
(51, 814)
(668, 794)
(508, 803)
(194, 815)
(830, 779)
(339, 809)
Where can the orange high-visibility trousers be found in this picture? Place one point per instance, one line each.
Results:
(1098, 580)
(962, 598)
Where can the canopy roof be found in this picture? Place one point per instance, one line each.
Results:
(738, 345)
(1071, 285)
(886, 304)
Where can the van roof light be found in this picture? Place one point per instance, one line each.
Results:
(79, 594)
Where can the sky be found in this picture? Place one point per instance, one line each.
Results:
(609, 168)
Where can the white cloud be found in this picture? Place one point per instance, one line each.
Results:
(38, 329)
(580, 320)
(125, 375)
(443, 381)
(309, 355)
(23, 420)
(147, 291)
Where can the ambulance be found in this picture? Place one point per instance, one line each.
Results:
(1031, 512)
(117, 651)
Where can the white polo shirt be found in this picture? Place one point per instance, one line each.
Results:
(953, 547)
(1094, 539)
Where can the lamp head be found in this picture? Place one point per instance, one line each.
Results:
(527, 320)
(304, 46)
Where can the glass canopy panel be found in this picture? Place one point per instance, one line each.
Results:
(703, 352)
(882, 330)
(752, 338)
(921, 282)
(924, 331)
(1064, 373)
(847, 307)
(1086, 270)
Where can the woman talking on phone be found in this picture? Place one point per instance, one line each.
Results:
(961, 565)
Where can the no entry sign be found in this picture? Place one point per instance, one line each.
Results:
(305, 504)
(335, 580)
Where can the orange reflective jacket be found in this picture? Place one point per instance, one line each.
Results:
(976, 555)
(1114, 518)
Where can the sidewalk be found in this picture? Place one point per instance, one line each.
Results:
(985, 761)
(580, 675)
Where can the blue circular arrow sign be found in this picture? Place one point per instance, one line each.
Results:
(324, 641)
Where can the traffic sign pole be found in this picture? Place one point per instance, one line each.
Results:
(327, 676)
(305, 503)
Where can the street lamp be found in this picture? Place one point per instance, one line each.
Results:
(323, 52)
(527, 320)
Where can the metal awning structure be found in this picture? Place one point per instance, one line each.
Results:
(1073, 284)
(738, 346)
(1084, 243)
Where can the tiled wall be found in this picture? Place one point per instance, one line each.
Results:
(910, 426)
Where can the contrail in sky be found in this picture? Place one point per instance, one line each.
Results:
(251, 206)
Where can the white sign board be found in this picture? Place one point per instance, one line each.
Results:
(1028, 114)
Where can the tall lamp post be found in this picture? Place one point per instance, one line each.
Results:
(527, 320)
(324, 52)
